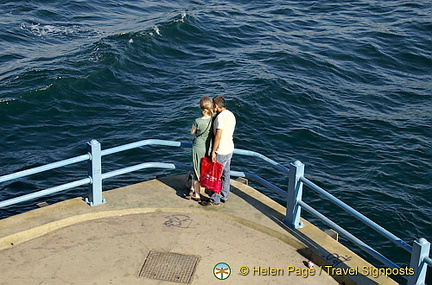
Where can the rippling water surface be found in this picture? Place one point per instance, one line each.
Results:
(344, 87)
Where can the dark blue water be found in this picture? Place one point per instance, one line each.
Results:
(344, 87)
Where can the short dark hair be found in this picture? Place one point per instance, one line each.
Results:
(220, 101)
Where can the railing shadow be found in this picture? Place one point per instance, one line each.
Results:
(311, 249)
(420, 259)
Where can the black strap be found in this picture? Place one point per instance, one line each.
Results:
(205, 129)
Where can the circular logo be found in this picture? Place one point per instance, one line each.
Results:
(222, 271)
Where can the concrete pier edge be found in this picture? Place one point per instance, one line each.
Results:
(244, 207)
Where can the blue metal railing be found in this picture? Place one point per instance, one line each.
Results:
(356, 214)
(96, 176)
(419, 251)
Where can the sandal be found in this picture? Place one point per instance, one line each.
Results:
(189, 196)
(198, 199)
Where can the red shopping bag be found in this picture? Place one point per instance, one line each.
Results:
(211, 173)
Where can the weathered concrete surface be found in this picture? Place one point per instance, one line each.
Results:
(72, 243)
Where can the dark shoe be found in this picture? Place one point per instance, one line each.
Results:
(208, 203)
(223, 201)
(204, 198)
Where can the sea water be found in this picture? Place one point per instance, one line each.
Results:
(344, 87)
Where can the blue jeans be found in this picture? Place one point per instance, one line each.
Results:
(225, 160)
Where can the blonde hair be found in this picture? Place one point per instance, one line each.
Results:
(206, 105)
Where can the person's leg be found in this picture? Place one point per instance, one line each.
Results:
(225, 160)
(226, 176)
(196, 190)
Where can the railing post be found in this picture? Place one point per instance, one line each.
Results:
(420, 250)
(95, 174)
(295, 191)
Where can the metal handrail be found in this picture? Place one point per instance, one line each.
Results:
(419, 252)
(348, 235)
(293, 195)
(428, 260)
(358, 215)
(148, 142)
(45, 192)
(260, 180)
(43, 168)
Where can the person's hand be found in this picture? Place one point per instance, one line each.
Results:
(213, 156)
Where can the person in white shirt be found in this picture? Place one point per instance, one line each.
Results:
(222, 148)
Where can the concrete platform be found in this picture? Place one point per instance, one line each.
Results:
(72, 243)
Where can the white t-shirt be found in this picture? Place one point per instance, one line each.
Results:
(226, 122)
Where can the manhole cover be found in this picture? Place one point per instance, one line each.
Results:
(168, 266)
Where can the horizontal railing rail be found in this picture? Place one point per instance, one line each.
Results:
(45, 192)
(419, 251)
(261, 181)
(44, 168)
(95, 197)
(428, 260)
(399, 242)
(365, 247)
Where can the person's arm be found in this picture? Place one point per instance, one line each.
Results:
(216, 143)
(193, 130)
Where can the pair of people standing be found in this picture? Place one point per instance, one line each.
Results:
(213, 138)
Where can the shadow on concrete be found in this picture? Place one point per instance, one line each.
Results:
(312, 250)
(178, 183)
